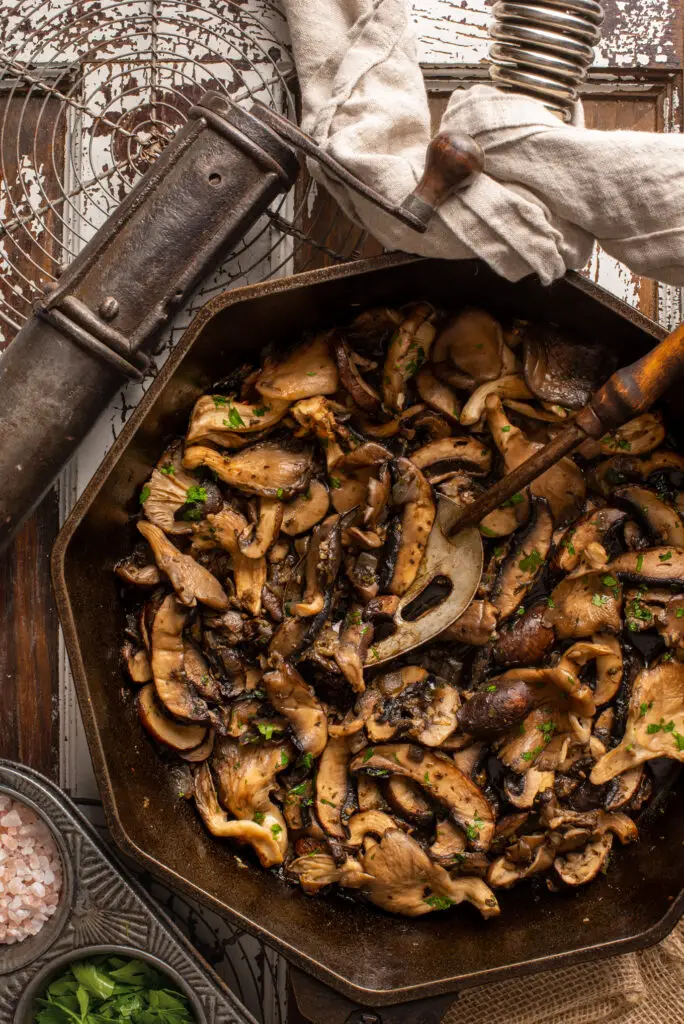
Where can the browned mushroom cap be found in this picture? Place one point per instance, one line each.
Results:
(670, 622)
(609, 669)
(315, 871)
(655, 723)
(270, 469)
(350, 653)
(302, 514)
(407, 351)
(363, 395)
(583, 605)
(623, 788)
(223, 421)
(443, 457)
(476, 626)
(661, 521)
(505, 872)
(624, 469)
(411, 492)
(523, 791)
(582, 866)
(307, 370)
(249, 574)
(472, 341)
(405, 881)
(368, 823)
(292, 697)
(510, 386)
(166, 491)
(559, 368)
(378, 497)
(496, 708)
(322, 565)
(332, 784)
(406, 798)
(168, 664)
(202, 752)
(191, 581)
(596, 526)
(525, 640)
(137, 663)
(655, 566)
(139, 575)
(524, 562)
(466, 804)
(255, 541)
(438, 718)
(162, 728)
(638, 436)
(449, 846)
(437, 395)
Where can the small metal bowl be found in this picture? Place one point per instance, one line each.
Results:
(20, 954)
(24, 1013)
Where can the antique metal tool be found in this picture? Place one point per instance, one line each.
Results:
(96, 325)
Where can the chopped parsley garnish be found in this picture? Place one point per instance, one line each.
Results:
(679, 613)
(279, 492)
(276, 830)
(426, 778)
(195, 494)
(505, 430)
(679, 740)
(298, 790)
(498, 552)
(260, 410)
(531, 562)
(368, 754)
(515, 499)
(259, 817)
(335, 483)
(550, 602)
(487, 531)
(375, 654)
(219, 401)
(600, 600)
(644, 708)
(328, 802)
(234, 420)
(661, 726)
(609, 581)
(266, 729)
(640, 563)
(530, 755)
(284, 759)
(144, 494)
(666, 557)
(307, 760)
(439, 902)
(492, 689)
(168, 470)
(547, 729)
(521, 610)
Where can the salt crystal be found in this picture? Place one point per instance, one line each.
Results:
(5, 802)
(37, 888)
(9, 841)
(11, 820)
(30, 872)
(49, 877)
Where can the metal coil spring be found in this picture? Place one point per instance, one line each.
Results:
(544, 48)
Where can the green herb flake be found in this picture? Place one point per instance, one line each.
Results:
(529, 755)
(368, 754)
(219, 401)
(284, 759)
(550, 602)
(679, 740)
(307, 760)
(666, 557)
(335, 483)
(487, 531)
(531, 562)
(195, 494)
(276, 829)
(279, 492)
(600, 600)
(375, 654)
(426, 778)
(328, 802)
(144, 494)
(679, 613)
(505, 430)
(260, 411)
(521, 610)
(439, 902)
(498, 552)
(640, 563)
(609, 581)
(492, 689)
(259, 817)
(234, 420)
(168, 470)
(266, 729)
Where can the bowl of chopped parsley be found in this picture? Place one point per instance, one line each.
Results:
(108, 985)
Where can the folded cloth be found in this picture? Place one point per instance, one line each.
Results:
(549, 189)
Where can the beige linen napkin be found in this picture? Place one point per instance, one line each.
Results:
(549, 188)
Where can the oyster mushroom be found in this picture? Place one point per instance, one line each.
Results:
(669, 622)
(655, 723)
(407, 351)
(317, 416)
(228, 423)
(408, 800)
(268, 836)
(307, 370)
(440, 458)
(597, 526)
(255, 541)
(322, 566)
(178, 737)
(581, 606)
(438, 720)
(405, 881)
(662, 565)
(306, 510)
(173, 689)
(559, 368)
(270, 469)
(315, 871)
(249, 574)
(166, 492)
(580, 867)
(368, 823)
(473, 342)
(662, 522)
(609, 669)
(292, 697)
(467, 805)
(505, 872)
(511, 386)
(350, 653)
(524, 562)
(411, 492)
(639, 436)
(332, 785)
(362, 394)
(522, 791)
(438, 395)
(191, 581)
(146, 575)
(476, 626)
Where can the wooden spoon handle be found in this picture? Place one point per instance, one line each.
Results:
(452, 162)
(629, 392)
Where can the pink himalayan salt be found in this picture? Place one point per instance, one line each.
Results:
(30, 872)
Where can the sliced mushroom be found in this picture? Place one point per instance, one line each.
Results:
(655, 723)
(598, 525)
(315, 871)
(407, 799)
(302, 514)
(663, 565)
(524, 562)
(257, 539)
(407, 351)
(332, 783)
(472, 341)
(322, 565)
(137, 663)
(580, 867)
(191, 581)
(362, 394)
(437, 395)
(368, 823)
(292, 697)
(308, 370)
(511, 386)
(267, 837)
(504, 872)
(449, 846)
(439, 718)
(502, 704)
(202, 752)
(162, 728)
(581, 606)
(139, 575)
(350, 653)
(623, 469)
(249, 574)
(661, 521)
(525, 640)
(669, 622)
(623, 788)
(559, 368)
(219, 420)
(269, 468)
(609, 669)
(174, 691)
(368, 794)
(639, 436)
(476, 626)
(466, 804)
(317, 416)
(405, 881)
(531, 785)
(411, 492)
(440, 458)
(166, 492)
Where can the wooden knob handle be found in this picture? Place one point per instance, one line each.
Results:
(452, 162)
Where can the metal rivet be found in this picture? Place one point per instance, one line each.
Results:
(49, 287)
(109, 307)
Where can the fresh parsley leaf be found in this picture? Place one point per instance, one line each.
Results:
(487, 531)
(144, 494)
(679, 740)
(600, 600)
(260, 410)
(439, 902)
(307, 760)
(234, 420)
(666, 557)
(531, 562)
(368, 754)
(679, 613)
(276, 830)
(168, 470)
(196, 494)
(492, 689)
(550, 602)
(93, 979)
(219, 401)
(640, 563)
(279, 492)
(335, 483)
(328, 802)
(259, 817)
(267, 730)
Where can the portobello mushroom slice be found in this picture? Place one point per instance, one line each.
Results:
(323, 561)
(137, 663)
(655, 723)
(407, 351)
(443, 457)
(438, 395)
(332, 785)
(559, 368)
(624, 469)
(249, 574)
(377, 497)
(306, 510)
(405, 881)
(473, 342)
(467, 805)
(270, 469)
(268, 837)
(524, 562)
(174, 691)
(581, 606)
(639, 436)
(522, 791)
(368, 794)
(597, 526)
(374, 823)
(307, 370)
(661, 565)
(191, 581)
(449, 847)
(202, 752)
(166, 492)
(255, 541)
(609, 669)
(661, 521)
(413, 494)
(216, 419)
(362, 394)
(477, 625)
(525, 641)
(623, 788)
(292, 697)
(407, 799)
(174, 735)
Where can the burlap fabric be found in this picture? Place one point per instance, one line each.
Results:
(550, 189)
(637, 988)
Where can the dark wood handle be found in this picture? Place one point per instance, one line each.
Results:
(453, 162)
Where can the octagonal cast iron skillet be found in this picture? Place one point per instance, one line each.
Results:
(369, 956)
